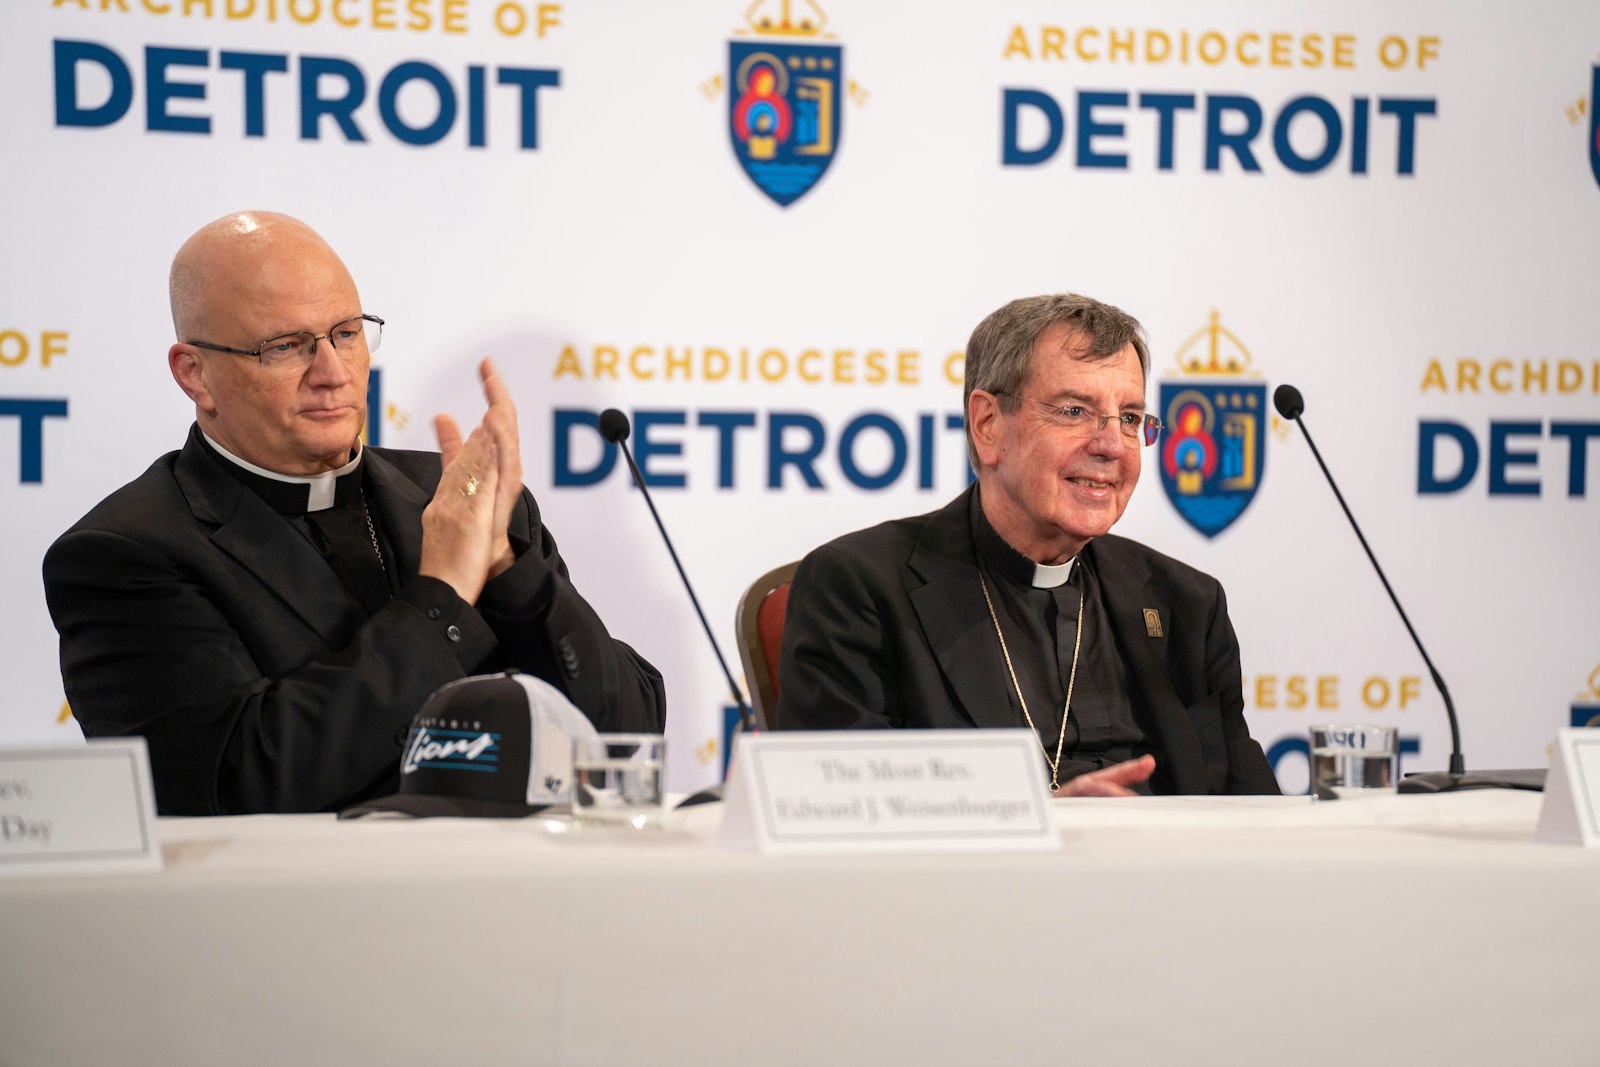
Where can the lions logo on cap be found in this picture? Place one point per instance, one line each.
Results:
(433, 744)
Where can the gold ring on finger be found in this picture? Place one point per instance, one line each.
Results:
(470, 486)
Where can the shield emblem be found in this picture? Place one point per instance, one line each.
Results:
(1213, 450)
(784, 113)
(1594, 124)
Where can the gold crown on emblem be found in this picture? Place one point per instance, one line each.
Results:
(1594, 688)
(773, 18)
(1213, 349)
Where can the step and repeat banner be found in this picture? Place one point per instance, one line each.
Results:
(765, 230)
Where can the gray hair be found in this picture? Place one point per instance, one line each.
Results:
(1000, 352)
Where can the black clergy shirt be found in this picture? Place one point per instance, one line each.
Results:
(1040, 627)
(343, 531)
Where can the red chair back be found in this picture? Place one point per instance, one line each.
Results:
(759, 626)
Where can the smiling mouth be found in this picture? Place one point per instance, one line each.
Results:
(1090, 483)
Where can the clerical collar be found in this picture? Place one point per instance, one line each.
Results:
(296, 494)
(1048, 577)
(1007, 561)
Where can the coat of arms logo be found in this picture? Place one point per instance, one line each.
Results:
(1594, 123)
(784, 95)
(1213, 450)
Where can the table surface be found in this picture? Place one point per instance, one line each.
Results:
(1176, 929)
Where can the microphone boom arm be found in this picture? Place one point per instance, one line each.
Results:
(747, 717)
(1457, 761)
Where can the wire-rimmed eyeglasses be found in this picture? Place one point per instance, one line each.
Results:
(297, 351)
(1080, 421)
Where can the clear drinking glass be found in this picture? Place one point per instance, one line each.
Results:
(1352, 761)
(617, 778)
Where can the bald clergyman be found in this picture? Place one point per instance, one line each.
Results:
(271, 604)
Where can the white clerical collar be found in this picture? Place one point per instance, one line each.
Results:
(321, 485)
(1048, 577)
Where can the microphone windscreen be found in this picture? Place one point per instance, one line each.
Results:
(1286, 398)
(614, 425)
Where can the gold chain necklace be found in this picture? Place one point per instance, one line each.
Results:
(1077, 637)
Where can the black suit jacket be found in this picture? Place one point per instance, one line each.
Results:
(887, 627)
(193, 614)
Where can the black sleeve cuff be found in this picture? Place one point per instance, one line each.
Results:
(522, 591)
(456, 622)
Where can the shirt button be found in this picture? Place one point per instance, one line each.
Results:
(433, 613)
(453, 632)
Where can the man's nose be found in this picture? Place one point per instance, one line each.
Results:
(327, 365)
(1109, 440)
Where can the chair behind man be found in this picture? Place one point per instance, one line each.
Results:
(758, 622)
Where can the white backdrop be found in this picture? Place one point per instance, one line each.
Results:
(1380, 287)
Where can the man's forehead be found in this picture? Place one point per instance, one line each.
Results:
(1066, 339)
(1065, 367)
(296, 266)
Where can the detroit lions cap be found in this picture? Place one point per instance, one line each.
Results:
(495, 746)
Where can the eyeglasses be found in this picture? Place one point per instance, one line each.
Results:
(1081, 422)
(297, 351)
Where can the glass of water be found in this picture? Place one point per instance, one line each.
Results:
(616, 780)
(1353, 761)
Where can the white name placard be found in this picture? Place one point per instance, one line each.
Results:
(1570, 813)
(69, 809)
(879, 790)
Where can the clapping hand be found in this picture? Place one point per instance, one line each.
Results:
(464, 540)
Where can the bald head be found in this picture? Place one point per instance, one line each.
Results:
(226, 261)
(247, 279)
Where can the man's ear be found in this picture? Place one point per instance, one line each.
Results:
(189, 372)
(984, 421)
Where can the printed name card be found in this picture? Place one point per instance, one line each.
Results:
(1570, 813)
(883, 790)
(69, 809)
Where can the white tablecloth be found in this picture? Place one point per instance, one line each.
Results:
(1164, 930)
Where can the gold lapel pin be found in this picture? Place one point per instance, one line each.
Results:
(1152, 622)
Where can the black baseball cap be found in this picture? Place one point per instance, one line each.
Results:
(494, 746)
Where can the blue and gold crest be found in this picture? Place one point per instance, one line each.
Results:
(1586, 706)
(783, 100)
(1594, 124)
(1214, 447)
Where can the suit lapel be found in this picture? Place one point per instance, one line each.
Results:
(955, 621)
(399, 503)
(263, 542)
(1126, 591)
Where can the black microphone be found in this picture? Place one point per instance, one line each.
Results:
(1290, 404)
(614, 428)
